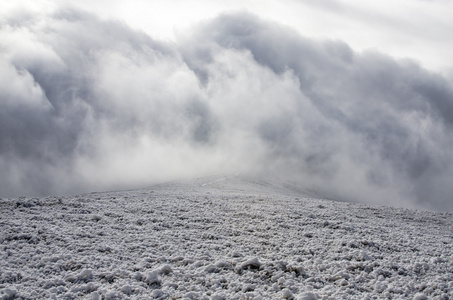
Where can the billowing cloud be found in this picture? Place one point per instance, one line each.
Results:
(89, 104)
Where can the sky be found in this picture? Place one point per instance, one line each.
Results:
(352, 98)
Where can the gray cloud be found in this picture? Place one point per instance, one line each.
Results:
(90, 104)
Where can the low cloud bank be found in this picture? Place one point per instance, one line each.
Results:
(94, 105)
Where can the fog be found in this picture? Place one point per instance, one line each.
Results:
(91, 104)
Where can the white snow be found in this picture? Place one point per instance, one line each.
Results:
(221, 238)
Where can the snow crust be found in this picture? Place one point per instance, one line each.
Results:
(221, 238)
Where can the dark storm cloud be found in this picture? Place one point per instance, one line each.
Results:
(90, 104)
(397, 112)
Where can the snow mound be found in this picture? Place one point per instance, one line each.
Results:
(221, 238)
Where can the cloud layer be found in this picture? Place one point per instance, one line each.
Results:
(93, 105)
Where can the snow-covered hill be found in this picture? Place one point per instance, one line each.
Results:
(221, 238)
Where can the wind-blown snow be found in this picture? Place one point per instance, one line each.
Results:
(221, 238)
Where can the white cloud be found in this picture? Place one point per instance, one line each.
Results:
(405, 29)
(234, 94)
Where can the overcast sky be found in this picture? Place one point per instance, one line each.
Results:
(353, 98)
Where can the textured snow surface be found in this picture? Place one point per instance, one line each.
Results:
(221, 238)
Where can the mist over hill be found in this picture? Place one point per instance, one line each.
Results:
(92, 104)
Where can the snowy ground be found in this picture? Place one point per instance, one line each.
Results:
(221, 238)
